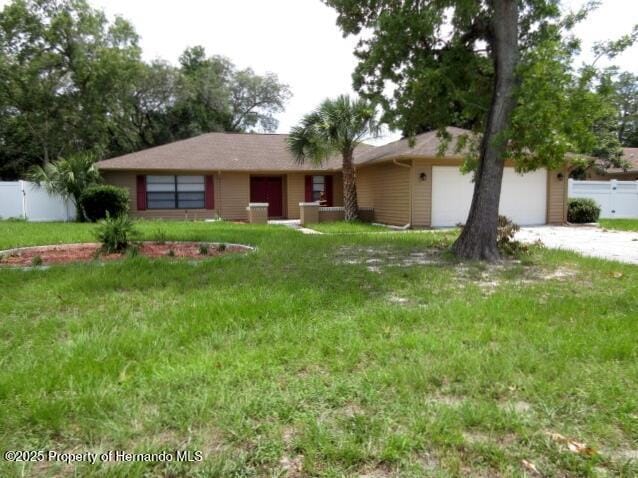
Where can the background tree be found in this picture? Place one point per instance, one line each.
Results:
(215, 96)
(69, 177)
(337, 126)
(480, 64)
(62, 67)
(74, 81)
(626, 96)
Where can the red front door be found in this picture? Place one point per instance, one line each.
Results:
(268, 189)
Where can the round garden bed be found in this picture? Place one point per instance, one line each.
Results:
(87, 252)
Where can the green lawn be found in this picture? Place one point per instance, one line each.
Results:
(319, 355)
(620, 224)
(343, 227)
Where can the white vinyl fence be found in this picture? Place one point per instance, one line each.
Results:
(22, 199)
(617, 199)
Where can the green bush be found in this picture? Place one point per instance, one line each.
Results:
(100, 200)
(114, 233)
(582, 210)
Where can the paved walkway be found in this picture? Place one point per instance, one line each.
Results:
(587, 240)
(293, 224)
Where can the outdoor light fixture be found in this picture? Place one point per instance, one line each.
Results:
(423, 176)
(559, 176)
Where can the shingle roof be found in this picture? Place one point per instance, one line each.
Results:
(425, 144)
(263, 152)
(631, 156)
(219, 152)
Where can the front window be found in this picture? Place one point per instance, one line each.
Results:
(318, 188)
(175, 192)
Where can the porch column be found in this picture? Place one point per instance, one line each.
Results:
(257, 212)
(308, 213)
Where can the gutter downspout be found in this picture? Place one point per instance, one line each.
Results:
(409, 166)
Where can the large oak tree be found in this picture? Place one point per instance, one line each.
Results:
(499, 67)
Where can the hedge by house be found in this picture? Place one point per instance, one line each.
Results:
(582, 210)
(97, 200)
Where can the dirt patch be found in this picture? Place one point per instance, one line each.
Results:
(292, 466)
(623, 455)
(380, 470)
(375, 258)
(87, 252)
(520, 407)
(487, 277)
(446, 400)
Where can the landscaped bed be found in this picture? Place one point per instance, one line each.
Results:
(86, 252)
(319, 355)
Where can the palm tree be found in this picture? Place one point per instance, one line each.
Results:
(337, 126)
(68, 177)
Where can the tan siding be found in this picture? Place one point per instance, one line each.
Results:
(386, 188)
(234, 195)
(365, 187)
(177, 214)
(556, 197)
(421, 194)
(392, 195)
(296, 194)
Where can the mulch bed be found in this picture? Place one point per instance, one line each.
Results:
(87, 252)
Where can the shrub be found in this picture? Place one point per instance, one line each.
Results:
(582, 210)
(69, 177)
(505, 237)
(203, 249)
(114, 233)
(100, 200)
(36, 261)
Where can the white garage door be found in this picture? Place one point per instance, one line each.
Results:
(523, 197)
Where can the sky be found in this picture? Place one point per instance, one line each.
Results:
(299, 40)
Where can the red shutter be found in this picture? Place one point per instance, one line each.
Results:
(209, 196)
(329, 193)
(141, 193)
(308, 188)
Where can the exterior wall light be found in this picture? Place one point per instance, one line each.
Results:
(423, 176)
(560, 176)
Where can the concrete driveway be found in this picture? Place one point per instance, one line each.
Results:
(587, 240)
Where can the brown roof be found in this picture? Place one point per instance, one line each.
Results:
(219, 152)
(631, 156)
(263, 152)
(425, 144)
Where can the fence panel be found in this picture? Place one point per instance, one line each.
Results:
(11, 200)
(617, 199)
(22, 199)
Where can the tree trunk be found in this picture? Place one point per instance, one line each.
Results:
(349, 188)
(478, 238)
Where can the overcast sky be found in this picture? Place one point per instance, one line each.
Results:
(298, 39)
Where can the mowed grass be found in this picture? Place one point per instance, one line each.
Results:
(351, 227)
(319, 355)
(620, 224)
